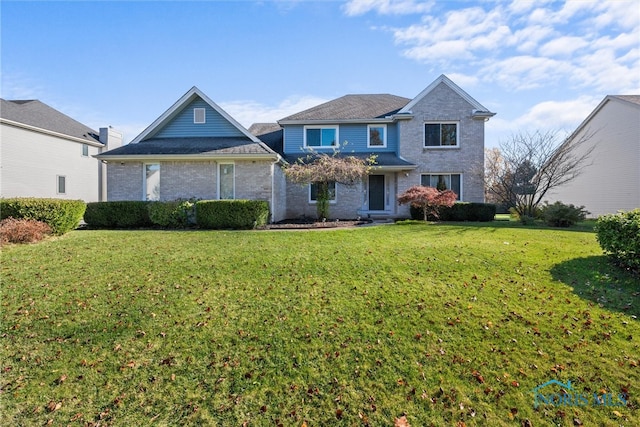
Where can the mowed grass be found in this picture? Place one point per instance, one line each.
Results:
(443, 324)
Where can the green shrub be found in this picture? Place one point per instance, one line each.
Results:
(122, 214)
(619, 235)
(462, 211)
(235, 214)
(173, 214)
(560, 215)
(60, 214)
(14, 230)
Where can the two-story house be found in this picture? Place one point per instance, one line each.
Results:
(45, 153)
(435, 139)
(197, 150)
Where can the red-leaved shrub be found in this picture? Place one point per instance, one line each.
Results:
(14, 230)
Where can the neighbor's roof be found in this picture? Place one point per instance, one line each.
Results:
(206, 147)
(352, 107)
(38, 116)
(629, 98)
(269, 133)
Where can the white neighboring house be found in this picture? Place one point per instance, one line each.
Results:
(611, 180)
(44, 153)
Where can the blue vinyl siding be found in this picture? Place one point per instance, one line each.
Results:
(182, 124)
(355, 134)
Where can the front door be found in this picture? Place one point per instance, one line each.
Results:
(376, 192)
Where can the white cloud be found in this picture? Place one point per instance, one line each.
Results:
(386, 7)
(248, 112)
(19, 86)
(526, 72)
(563, 46)
(557, 115)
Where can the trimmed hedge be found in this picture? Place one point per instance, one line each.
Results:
(173, 214)
(619, 235)
(122, 214)
(60, 214)
(462, 211)
(235, 214)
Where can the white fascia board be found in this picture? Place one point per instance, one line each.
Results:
(170, 157)
(181, 103)
(443, 79)
(51, 133)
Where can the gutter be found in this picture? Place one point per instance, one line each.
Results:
(51, 133)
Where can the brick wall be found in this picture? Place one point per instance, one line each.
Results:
(443, 104)
(349, 201)
(124, 181)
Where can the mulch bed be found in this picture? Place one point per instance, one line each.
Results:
(306, 223)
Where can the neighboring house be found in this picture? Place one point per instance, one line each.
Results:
(610, 180)
(196, 150)
(434, 139)
(44, 153)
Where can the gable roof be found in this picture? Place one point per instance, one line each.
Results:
(39, 117)
(271, 134)
(632, 101)
(178, 106)
(351, 108)
(479, 111)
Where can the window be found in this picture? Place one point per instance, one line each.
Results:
(226, 181)
(85, 150)
(451, 182)
(199, 115)
(440, 134)
(377, 135)
(320, 136)
(313, 192)
(62, 184)
(152, 181)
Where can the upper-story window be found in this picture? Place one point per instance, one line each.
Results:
(321, 136)
(199, 116)
(85, 150)
(377, 136)
(441, 135)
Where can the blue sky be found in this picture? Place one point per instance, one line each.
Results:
(537, 64)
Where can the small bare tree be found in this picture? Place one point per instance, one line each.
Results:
(321, 169)
(523, 170)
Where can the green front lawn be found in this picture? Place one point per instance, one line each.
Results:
(443, 324)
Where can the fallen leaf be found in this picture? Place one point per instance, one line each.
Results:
(401, 422)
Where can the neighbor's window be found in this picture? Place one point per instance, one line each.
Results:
(440, 134)
(62, 184)
(226, 181)
(320, 136)
(199, 115)
(377, 135)
(85, 150)
(450, 181)
(313, 192)
(152, 181)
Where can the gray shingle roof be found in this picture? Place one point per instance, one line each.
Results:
(383, 159)
(353, 107)
(629, 98)
(40, 115)
(191, 146)
(269, 133)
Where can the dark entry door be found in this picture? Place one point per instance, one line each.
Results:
(376, 192)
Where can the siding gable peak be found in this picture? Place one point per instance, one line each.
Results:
(178, 107)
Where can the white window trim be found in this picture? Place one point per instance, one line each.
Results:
(64, 177)
(144, 178)
(195, 115)
(384, 137)
(440, 147)
(320, 147)
(313, 202)
(461, 195)
(220, 164)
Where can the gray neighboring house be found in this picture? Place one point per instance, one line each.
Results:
(45, 153)
(611, 180)
(436, 138)
(196, 150)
